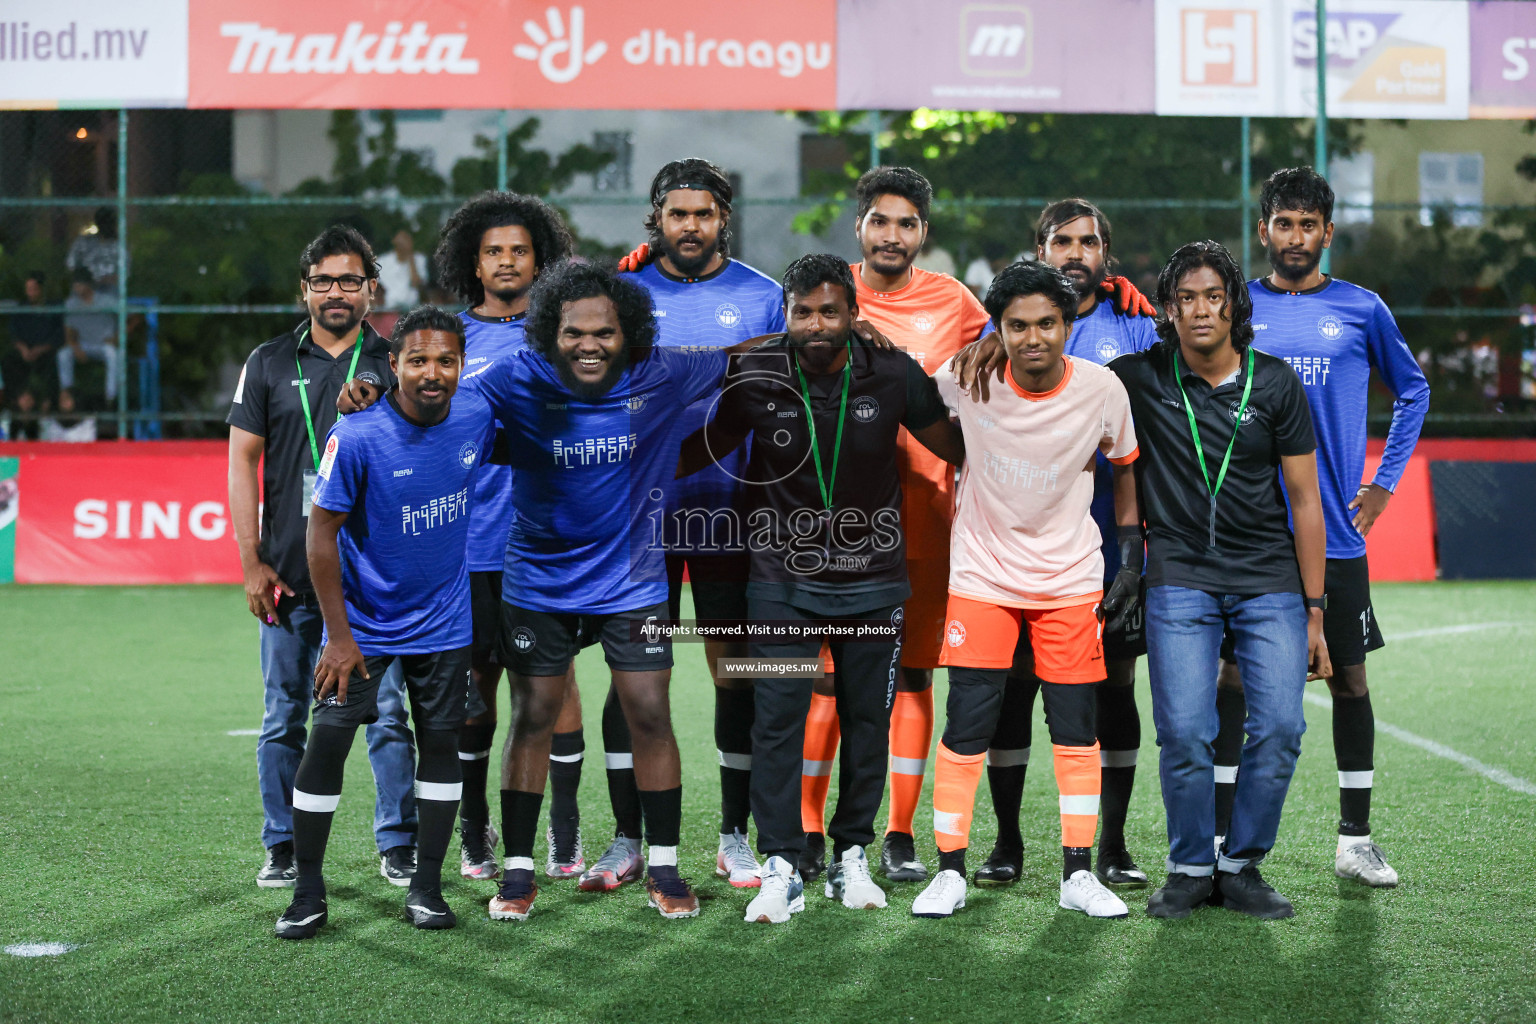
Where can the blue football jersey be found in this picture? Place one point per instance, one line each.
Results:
(719, 310)
(487, 339)
(407, 491)
(588, 501)
(1332, 337)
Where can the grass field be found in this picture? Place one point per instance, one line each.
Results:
(129, 818)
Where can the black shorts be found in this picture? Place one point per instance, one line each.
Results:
(1129, 641)
(485, 613)
(438, 685)
(719, 584)
(1349, 621)
(544, 643)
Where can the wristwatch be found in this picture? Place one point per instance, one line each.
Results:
(1320, 603)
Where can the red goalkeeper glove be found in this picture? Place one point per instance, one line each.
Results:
(1128, 300)
(641, 256)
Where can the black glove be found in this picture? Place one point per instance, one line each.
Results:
(1125, 590)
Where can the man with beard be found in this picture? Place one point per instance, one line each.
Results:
(282, 407)
(827, 558)
(1333, 334)
(387, 547)
(700, 297)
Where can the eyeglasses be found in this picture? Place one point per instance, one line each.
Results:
(321, 283)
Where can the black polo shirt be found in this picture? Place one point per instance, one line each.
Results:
(266, 403)
(1254, 551)
(855, 559)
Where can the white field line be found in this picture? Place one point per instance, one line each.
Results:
(1470, 627)
(1488, 771)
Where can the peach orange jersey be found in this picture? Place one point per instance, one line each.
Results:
(1023, 535)
(932, 317)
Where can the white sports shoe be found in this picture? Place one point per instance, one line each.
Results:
(780, 895)
(1083, 891)
(944, 895)
(1365, 861)
(735, 861)
(848, 880)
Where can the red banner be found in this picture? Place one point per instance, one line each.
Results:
(602, 54)
(124, 513)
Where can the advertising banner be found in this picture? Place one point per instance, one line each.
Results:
(903, 54)
(1503, 44)
(124, 513)
(93, 53)
(10, 502)
(601, 54)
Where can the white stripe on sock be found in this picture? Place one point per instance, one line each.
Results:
(1226, 773)
(1008, 758)
(740, 762)
(1356, 780)
(947, 822)
(474, 755)
(315, 803)
(518, 863)
(439, 790)
(1080, 804)
(908, 765)
(617, 761)
(568, 758)
(809, 767)
(662, 856)
(1117, 758)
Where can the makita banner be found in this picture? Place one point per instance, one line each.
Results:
(122, 513)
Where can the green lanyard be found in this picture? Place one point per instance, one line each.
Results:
(309, 421)
(1221, 475)
(810, 419)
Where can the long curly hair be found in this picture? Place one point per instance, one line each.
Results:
(1239, 307)
(458, 250)
(573, 279)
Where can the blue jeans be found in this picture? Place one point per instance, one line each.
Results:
(1184, 630)
(289, 651)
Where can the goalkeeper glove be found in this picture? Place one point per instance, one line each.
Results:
(1125, 591)
(641, 256)
(1128, 300)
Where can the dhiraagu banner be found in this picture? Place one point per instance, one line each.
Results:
(10, 500)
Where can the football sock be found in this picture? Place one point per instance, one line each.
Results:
(1354, 747)
(316, 792)
(1119, 729)
(911, 736)
(1232, 710)
(822, 731)
(1008, 758)
(1074, 858)
(734, 712)
(955, 778)
(619, 758)
(952, 860)
(1077, 779)
(475, 744)
(438, 786)
(663, 810)
(519, 823)
(567, 750)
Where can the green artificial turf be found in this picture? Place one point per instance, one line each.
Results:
(130, 824)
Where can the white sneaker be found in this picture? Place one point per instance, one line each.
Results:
(1083, 891)
(848, 880)
(1365, 861)
(735, 861)
(780, 895)
(944, 895)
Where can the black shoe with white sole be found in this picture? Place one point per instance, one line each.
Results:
(1247, 893)
(427, 910)
(898, 858)
(1116, 868)
(1001, 868)
(398, 865)
(305, 916)
(279, 872)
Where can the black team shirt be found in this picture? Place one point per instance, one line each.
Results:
(1255, 552)
(854, 559)
(266, 404)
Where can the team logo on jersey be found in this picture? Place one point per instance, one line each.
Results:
(1108, 349)
(329, 458)
(954, 633)
(1330, 327)
(637, 402)
(727, 315)
(467, 454)
(1248, 413)
(369, 377)
(865, 409)
(923, 322)
(523, 639)
(985, 422)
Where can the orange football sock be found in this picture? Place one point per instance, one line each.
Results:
(955, 778)
(911, 735)
(822, 731)
(1077, 778)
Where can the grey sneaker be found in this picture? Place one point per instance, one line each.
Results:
(398, 864)
(620, 863)
(565, 858)
(1366, 862)
(279, 872)
(477, 851)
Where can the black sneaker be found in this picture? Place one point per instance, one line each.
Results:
(1179, 896)
(1002, 867)
(1116, 868)
(898, 859)
(1247, 893)
(398, 865)
(304, 916)
(279, 872)
(427, 910)
(813, 859)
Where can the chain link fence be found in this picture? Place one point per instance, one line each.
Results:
(143, 254)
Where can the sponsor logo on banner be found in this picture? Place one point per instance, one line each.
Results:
(1211, 58)
(93, 53)
(997, 39)
(1503, 59)
(1219, 47)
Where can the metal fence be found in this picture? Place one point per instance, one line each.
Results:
(194, 270)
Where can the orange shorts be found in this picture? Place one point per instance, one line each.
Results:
(922, 635)
(1068, 641)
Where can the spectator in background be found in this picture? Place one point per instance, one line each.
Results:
(402, 274)
(96, 250)
(90, 332)
(937, 259)
(28, 365)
